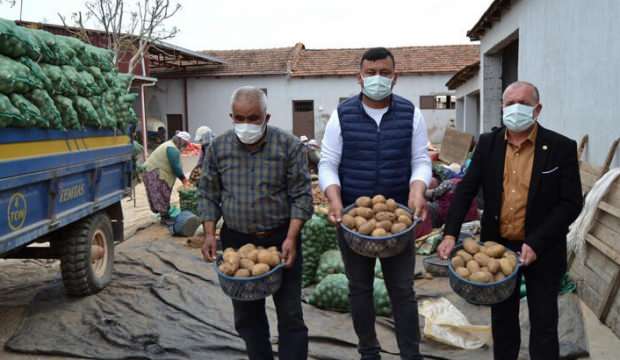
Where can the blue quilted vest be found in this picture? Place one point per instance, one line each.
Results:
(375, 160)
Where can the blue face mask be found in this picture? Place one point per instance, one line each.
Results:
(377, 87)
(518, 117)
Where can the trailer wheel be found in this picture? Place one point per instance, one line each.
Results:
(87, 256)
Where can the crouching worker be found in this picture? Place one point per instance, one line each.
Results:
(163, 167)
(256, 177)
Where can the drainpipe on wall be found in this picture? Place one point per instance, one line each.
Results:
(186, 120)
(144, 135)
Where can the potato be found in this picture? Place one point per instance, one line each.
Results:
(499, 276)
(489, 243)
(363, 201)
(481, 277)
(471, 246)
(400, 211)
(379, 232)
(465, 255)
(484, 269)
(379, 207)
(462, 272)
(234, 260)
(473, 266)
(253, 255)
(264, 257)
(243, 273)
(247, 248)
(385, 225)
(349, 221)
(457, 262)
(404, 220)
(229, 254)
(506, 266)
(398, 227)
(366, 213)
(368, 227)
(496, 251)
(391, 205)
(246, 264)
(228, 250)
(378, 199)
(352, 212)
(274, 259)
(272, 249)
(511, 257)
(493, 266)
(226, 268)
(385, 215)
(260, 269)
(359, 221)
(482, 258)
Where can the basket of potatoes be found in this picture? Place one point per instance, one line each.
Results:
(250, 273)
(377, 227)
(483, 274)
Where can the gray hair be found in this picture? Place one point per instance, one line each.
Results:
(249, 93)
(518, 84)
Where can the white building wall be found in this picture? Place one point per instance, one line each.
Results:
(570, 49)
(209, 99)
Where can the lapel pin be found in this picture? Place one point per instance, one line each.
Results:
(545, 147)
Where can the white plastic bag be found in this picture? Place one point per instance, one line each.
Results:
(444, 323)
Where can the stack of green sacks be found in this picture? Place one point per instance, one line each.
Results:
(59, 82)
(317, 236)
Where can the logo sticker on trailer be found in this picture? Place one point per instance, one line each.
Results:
(17, 211)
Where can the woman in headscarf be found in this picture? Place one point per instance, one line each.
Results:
(163, 167)
(203, 136)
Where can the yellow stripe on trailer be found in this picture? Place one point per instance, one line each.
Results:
(55, 147)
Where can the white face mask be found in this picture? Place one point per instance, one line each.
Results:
(518, 117)
(249, 133)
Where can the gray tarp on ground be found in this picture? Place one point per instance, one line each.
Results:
(165, 303)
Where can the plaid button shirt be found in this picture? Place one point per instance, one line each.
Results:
(255, 191)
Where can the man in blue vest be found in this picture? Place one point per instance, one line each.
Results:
(376, 143)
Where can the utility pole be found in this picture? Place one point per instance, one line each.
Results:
(21, 6)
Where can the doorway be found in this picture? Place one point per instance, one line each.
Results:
(303, 118)
(174, 124)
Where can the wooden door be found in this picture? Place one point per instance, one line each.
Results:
(174, 124)
(303, 118)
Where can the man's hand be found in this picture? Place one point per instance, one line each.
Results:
(186, 182)
(335, 212)
(289, 251)
(417, 203)
(528, 255)
(446, 246)
(209, 248)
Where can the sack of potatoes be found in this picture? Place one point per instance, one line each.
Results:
(377, 217)
(485, 263)
(249, 260)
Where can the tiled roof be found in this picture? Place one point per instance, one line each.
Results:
(297, 61)
(463, 75)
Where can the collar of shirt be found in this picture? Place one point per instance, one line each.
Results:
(531, 138)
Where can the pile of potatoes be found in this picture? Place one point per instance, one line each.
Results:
(377, 217)
(249, 260)
(487, 263)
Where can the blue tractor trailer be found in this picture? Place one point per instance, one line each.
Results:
(60, 198)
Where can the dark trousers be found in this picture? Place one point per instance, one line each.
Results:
(250, 316)
(542, 279)
(398, 273)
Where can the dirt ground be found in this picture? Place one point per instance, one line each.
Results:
(604, 345)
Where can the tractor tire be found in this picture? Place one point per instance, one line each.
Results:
(87, 255)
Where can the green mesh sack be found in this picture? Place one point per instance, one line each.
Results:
(62, 86)
(70, 118)
(15, 77)
(381, 298)
(98, 57)
(53, 50)
(86, 112)
(378, 270)
(16, 41)
(329, 263)
(37, 73)
(332, 293)
(90, 87)
(9, 114)
(74, 78)
(46, 106)
(99, 78)
(318, 236)
(107, 119)
(31, 114)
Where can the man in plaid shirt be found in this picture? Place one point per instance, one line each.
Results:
(256, 177)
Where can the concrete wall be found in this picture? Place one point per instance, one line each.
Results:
(209, 99)
(570, 50)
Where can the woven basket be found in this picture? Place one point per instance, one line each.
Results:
(250, 288)
(378, 246)
(482, 294)
(436, 266)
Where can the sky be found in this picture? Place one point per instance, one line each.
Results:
(252, 24)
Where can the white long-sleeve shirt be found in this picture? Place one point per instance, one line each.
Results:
(331, 148)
